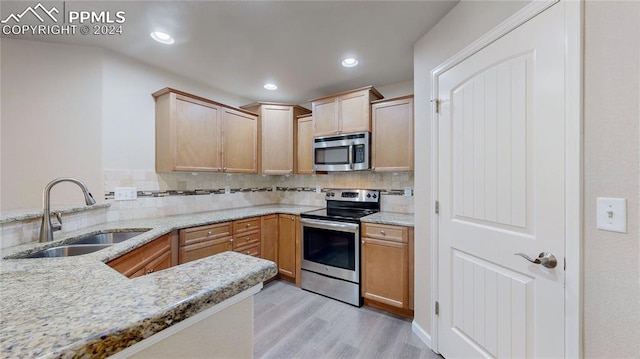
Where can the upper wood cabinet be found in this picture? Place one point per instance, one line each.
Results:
(194, 134)
(346, 112)
(392, 135)
(240, 141)
(304, 145)
(277, 135)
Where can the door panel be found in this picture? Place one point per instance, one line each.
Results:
(501, 191)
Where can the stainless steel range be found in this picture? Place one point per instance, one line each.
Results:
(331, 244)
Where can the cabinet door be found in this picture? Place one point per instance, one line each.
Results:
(325, 114)
(277, 139)
(287, 245)
(207, 248)
(197, 135)
(392, 136)
(354, 112)
(130, 263)
(240, 142)
(163, 261)
(269, 237)
(385, 272)
(304, 146)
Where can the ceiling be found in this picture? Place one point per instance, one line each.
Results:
(239, 46)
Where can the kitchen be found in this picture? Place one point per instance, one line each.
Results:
(101, 93)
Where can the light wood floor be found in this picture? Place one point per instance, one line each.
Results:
(293, 323)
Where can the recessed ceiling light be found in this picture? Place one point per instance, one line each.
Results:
(162, 37)
(271, 86)
(349, 62)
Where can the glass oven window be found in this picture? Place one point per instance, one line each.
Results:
(332, 248)
(332, 155)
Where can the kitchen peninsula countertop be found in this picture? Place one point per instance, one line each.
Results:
(79, 306)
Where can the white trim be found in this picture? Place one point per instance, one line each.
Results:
(158, 337)
(422, 334)
(573, 159)
(573, 292)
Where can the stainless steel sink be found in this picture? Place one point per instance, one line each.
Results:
(87, 244)
(69, 250)
(107, 237)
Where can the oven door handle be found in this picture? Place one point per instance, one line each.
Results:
(335, 226)
(351, 155)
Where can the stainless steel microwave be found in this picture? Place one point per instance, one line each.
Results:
(349, 152)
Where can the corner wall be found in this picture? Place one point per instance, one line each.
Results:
(461, 26)
(611, 169)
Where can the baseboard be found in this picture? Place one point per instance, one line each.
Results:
(422, 334)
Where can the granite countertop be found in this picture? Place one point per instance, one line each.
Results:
(392, 218)
(79, 306)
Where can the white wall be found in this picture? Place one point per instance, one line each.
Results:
(460, 27)
(129, 109)
(51, 121)
(611, 169)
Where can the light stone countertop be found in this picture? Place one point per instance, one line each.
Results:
(79, 306)
(392, 218)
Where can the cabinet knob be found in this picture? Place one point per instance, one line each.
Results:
(248, 225)
(224, 169)
(383, 233)
(149, 271)
(293, 218)
(248, 239)
(248, 252)
(209, 233)
(363, 242)
(231, 240)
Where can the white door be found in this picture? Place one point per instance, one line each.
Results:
(501, 191)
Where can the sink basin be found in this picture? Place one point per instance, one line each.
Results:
(87, 244)
(107, 237)
(68, 250)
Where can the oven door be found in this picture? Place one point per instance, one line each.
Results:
(331, 248)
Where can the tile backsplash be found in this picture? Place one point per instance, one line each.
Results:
(163, 194)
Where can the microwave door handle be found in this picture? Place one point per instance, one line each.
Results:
(351, 155)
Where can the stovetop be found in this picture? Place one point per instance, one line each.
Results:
(347, 205)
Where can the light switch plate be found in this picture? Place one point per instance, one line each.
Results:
(125, 193)
(612, 214)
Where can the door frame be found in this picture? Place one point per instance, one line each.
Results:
(573, 290)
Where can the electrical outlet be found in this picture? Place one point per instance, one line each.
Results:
(125, 193)
(227, 190)
(274, 188)
(407, 191)
(611, 214)
(318, 189)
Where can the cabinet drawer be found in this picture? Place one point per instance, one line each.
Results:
(246, 225)
(204, 233)
(246, 239)
(386, 232)
(195, 251)
(251, 250)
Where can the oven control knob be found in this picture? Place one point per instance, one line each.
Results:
(375, 196)
(368, 195)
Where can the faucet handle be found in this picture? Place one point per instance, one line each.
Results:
(57, 226)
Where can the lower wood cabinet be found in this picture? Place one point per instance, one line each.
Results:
(151, 257)
(269, 237)
(204, 241)
(287, 246)
(387, 268)
(246, 236)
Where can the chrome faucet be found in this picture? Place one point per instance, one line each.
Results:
(47, 228)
